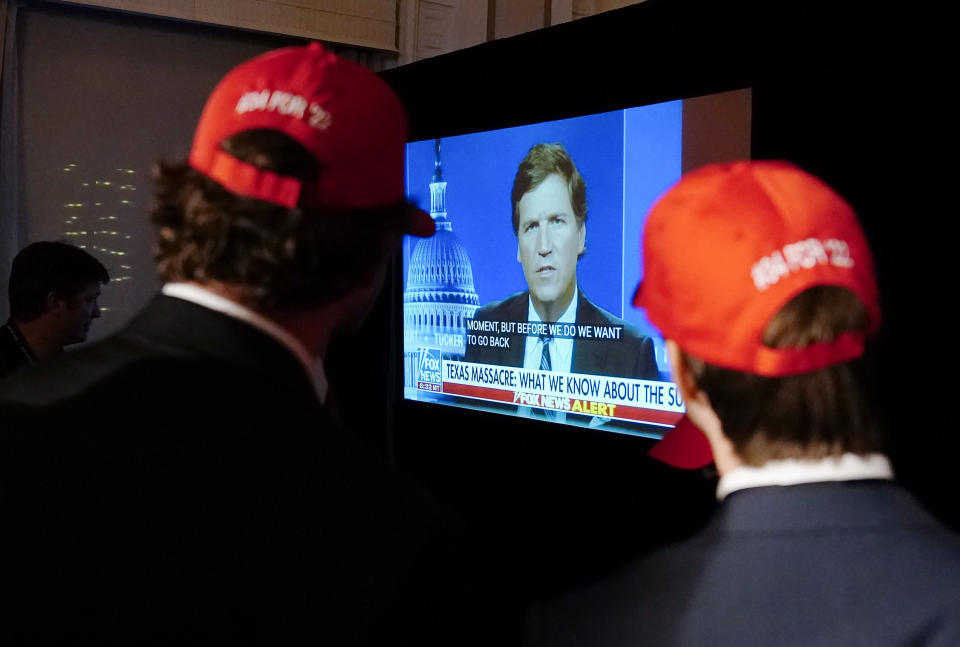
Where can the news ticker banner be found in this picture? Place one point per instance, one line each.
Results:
(644, 401)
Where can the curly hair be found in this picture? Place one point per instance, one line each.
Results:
(279, 257)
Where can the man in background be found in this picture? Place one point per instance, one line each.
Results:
(549, 203)
(53, 292)
(764, 314)
(188, 483)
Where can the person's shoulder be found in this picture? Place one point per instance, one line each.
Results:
(725, 571)
(117, 360)
(12, 357)
(632, 603)
(11, 361)
(120, 381)
(65, 376)
(511, 304)
(934, 545)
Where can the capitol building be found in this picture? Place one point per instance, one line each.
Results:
(439, 297)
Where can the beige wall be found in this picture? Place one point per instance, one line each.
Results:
(365, 23)
(518, 16)
(431, 27)
(415, 29)
(457, 24)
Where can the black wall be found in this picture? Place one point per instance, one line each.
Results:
(855, 94)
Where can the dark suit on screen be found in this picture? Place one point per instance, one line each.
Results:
(846, 563)
(181, 482)
(631, 356)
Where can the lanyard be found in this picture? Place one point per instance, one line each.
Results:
(11, 329)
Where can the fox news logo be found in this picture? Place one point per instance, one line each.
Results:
(428, 369)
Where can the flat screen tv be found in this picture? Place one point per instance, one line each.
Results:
(512, 271)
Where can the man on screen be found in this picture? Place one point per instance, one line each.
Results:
(549, 204)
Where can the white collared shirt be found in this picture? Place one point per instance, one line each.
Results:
(561, 350)
(207, 299)
(848, 467)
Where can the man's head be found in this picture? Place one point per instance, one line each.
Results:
(56, 284)
(549, 203)
(761, 280)
(292, 194)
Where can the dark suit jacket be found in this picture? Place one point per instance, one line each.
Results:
(14, 352)
(180, 482)
(854, 563)
(632, 356)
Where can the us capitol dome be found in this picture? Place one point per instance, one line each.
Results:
(439, 297)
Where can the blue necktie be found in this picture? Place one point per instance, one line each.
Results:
(546, 365)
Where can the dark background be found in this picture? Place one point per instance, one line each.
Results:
(856, 94)
(859, 95)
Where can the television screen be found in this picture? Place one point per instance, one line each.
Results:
(521, 304)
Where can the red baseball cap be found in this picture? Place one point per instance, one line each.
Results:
(729, 245)
(342, 113)
(684, 446)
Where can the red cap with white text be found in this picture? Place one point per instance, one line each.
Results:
(730, 244)
(342, 113)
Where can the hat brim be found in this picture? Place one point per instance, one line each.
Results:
(419, 222)
(637, 295)
(684, 447)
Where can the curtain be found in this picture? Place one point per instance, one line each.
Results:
(11, 216)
